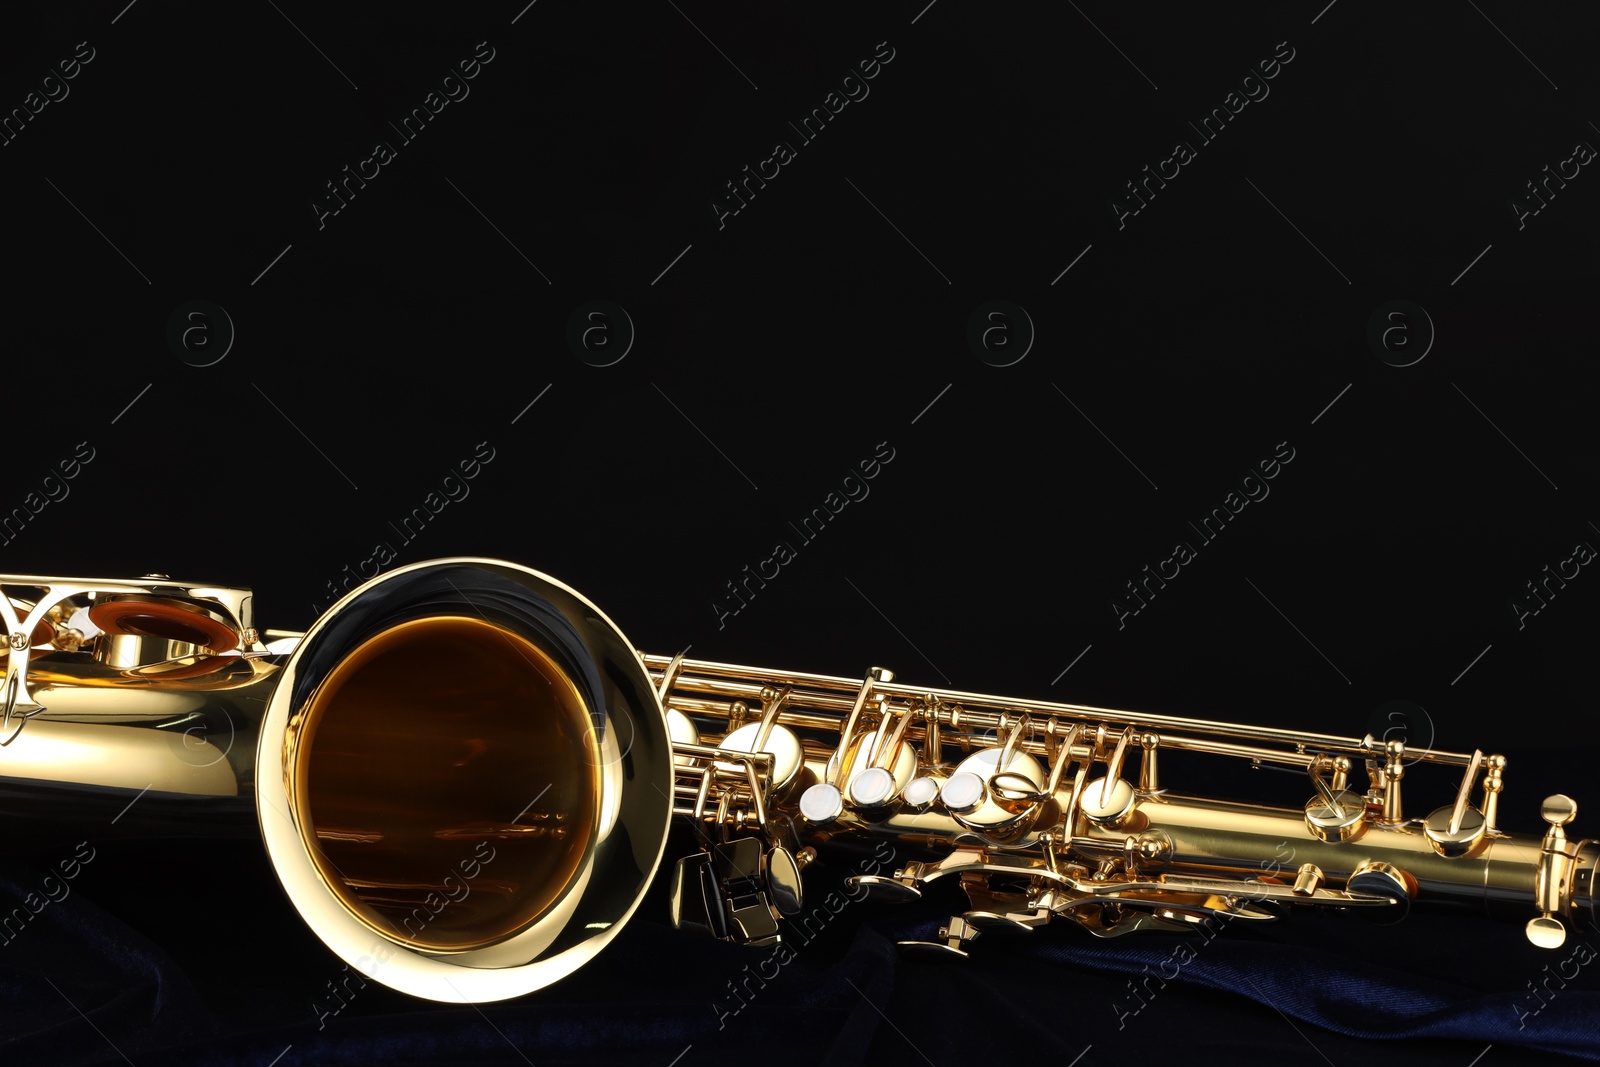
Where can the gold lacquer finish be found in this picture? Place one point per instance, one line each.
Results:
(459, 772)
(463, 775)
(1035, 809)
(409, 777)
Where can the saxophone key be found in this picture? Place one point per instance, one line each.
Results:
(696, 897)
(1108, 802)
(963, 793)
(955, 935)
(1006, 922)
(821, 804)
(1455, 834)
(884, 890)
(921, 792)
(682, 730)
(882, 757)
(872, 788)
(1375, 879)
(781, 742)
(783, 881)
(968, 795)
(1336, 817)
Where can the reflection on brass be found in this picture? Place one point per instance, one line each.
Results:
(464, 773)
(1093, 848)
(402, 769)
(460, 772)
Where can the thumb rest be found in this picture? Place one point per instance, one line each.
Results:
(384, 751)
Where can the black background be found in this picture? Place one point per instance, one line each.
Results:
(775, 351)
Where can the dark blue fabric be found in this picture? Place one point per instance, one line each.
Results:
(178, 955)
(1366, 998)
(64, 961)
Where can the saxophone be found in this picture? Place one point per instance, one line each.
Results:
(464, 775)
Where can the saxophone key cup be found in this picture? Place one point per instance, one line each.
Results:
(874, 750)
(975, 805)
(1107, 802)
(1375, 878)
(682, 731)
(1337, 817)
(1453, 838)
(144, 629)
(781, 742)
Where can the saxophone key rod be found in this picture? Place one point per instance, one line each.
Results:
(746, 682)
